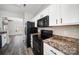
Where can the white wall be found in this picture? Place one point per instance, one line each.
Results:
(15, 27)
(69, 31)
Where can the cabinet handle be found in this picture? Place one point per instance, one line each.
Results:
(53, 52)
(61, 20)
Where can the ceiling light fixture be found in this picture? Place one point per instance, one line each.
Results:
(21, 5)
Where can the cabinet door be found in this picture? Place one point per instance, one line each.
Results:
(70, 13)
(4, 39)
(54, 12)
(0, 24)
(48, 50)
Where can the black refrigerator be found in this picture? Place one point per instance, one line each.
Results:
(29, 29)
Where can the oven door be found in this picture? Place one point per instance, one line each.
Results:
(37, 46)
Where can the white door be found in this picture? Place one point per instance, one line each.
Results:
(15, 27)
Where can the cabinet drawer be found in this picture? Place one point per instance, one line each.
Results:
(50, 50)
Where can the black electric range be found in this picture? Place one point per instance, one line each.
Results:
(38, 41)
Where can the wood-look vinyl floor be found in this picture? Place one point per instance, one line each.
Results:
(17, 47)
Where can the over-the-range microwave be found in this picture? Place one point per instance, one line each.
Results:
(43, 22)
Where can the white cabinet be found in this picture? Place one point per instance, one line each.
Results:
(48, 50)
(4, 39)
(63, 14)
(54, 14)
(70, 13)
(1, 25)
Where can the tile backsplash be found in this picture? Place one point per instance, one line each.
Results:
(68, 31)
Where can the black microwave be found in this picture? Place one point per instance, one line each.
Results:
(43, 22)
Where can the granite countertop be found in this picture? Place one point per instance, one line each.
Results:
(69, 47)
(2, 32)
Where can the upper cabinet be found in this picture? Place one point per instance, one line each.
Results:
(54, 14)
(61, 14)
(69, 13)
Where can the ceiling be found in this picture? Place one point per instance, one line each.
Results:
(32, 9)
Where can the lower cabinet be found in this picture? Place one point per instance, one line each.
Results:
(48, 50)
(3, 40)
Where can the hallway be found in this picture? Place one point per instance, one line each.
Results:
(16, 47)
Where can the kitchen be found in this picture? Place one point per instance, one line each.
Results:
(52, 29)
